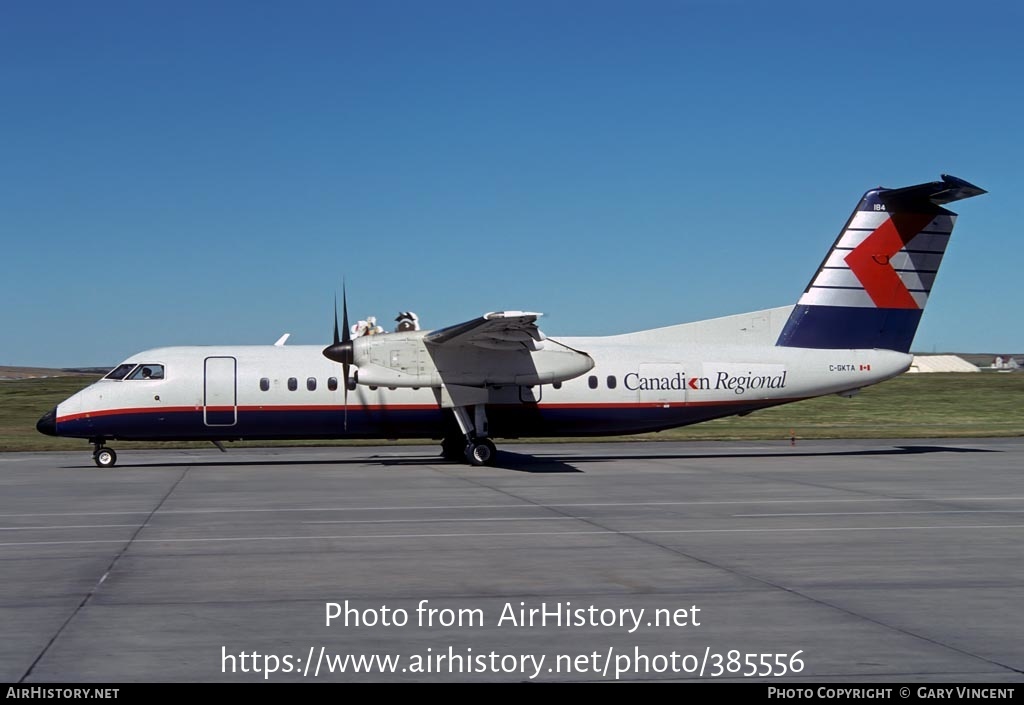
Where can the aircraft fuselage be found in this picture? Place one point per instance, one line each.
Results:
(647, 381)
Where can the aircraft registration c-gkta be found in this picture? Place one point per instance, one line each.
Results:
(498, 376)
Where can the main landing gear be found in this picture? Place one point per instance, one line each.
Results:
(473, 446)
(101, 455)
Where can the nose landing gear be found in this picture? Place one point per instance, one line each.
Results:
(101, 455)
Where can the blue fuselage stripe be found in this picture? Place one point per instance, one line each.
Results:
(504, 422)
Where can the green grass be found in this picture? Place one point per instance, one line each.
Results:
(911, 406)
(23, 401)
(916, 406)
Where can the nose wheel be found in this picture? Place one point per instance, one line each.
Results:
(104, 457)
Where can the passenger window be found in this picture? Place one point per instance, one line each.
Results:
(120, 371)
(352, 384)
(293, 384)
(592, 382)
(611, 381)
(556, 385)
(332, 384)
(146, 371)
(311, 384)
(264, 385)
(373, 388)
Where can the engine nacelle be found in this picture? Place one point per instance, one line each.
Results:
(404, 360)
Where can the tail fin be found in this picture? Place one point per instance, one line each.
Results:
(871, 289)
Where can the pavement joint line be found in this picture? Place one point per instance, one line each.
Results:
(54, 528)
(531, 505)
(919, 580)
(642, 537)
(860, 514)
(600, 531)
(103, 578)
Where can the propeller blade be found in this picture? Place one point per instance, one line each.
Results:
(348, 339)
(336, 339)
(341, 349)
(344, 369)
(344, 308)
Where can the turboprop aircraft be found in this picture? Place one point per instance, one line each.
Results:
(499, 376)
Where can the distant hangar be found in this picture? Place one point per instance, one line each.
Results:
(941, 363)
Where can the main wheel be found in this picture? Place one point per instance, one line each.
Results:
(481, 452)
(105, 458)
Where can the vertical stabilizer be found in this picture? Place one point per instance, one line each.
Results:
(871, 289)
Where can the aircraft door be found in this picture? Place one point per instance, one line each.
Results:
(220, 393)
(662, 382)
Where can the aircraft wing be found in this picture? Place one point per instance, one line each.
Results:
(499, 330)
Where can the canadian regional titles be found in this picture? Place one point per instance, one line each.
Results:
(513, 614)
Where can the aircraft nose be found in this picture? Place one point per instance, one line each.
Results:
(48, 424)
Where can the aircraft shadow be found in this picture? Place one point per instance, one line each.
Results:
(519, 462)
(523, 462)
(898, 450)
(543, 463)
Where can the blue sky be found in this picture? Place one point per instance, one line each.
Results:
(203, 173)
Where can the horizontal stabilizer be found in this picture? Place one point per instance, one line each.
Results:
(938, 192)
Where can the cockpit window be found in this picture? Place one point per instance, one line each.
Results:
(120, 371)
(148, 371)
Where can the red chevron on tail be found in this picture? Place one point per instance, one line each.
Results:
(871, 261)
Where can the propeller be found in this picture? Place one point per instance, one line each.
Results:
(341, 349)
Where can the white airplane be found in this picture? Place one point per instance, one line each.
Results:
(498, 376)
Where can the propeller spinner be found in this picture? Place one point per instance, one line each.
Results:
(341, 349)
